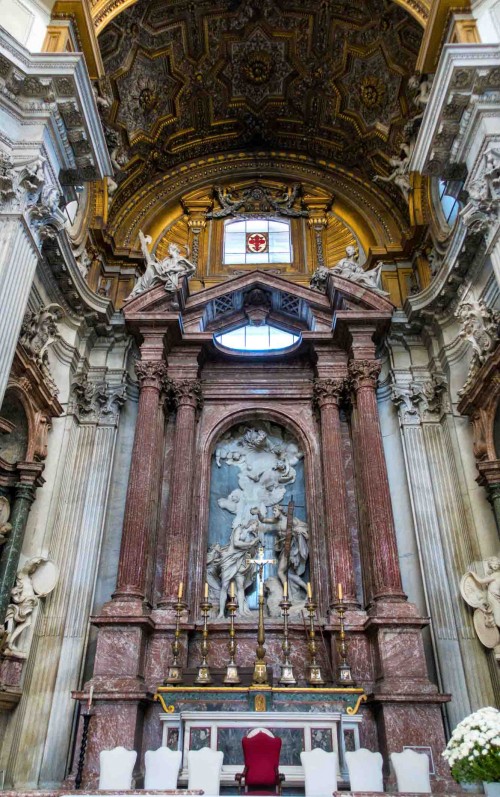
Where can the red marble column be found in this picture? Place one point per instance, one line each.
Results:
(327, 395)
(187, 396)
(133, 564)
(380, 532)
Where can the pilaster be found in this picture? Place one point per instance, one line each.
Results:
(61, 633)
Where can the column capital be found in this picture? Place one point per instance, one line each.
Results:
(329, 390)
(151, 373)
(364, 373)
(186, 392)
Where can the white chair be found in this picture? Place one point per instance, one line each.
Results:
(320, 772)
(162, 768)
(412, 771)
(365, 770)
(115, 769)
(204, 770)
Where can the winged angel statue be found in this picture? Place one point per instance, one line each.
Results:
(483, 594)
(168, 271)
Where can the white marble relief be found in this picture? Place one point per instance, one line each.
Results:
(265, 456)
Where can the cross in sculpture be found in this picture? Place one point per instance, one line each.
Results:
(260, 561)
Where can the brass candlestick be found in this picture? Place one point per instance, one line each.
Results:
(287, 678)
(345, 675)
(260, 666)
(174, 675)
(315, 678)
(232, 675)
(204, 676)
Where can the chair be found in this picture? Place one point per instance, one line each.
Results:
(162, 768)
(204, 770)
(365, 770)
(320, 772)
(412, 771)
(261, 751)
(115, 769)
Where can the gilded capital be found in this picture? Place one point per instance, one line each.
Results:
(364, 373)
(151, 373)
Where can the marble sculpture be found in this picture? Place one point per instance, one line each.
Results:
(168, 271)
(265, 456)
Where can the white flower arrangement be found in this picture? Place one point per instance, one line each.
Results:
(473, 752)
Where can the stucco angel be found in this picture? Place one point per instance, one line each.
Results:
(483, 594)
(168, 271)
(5, 526)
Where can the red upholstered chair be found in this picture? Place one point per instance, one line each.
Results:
(261, 751)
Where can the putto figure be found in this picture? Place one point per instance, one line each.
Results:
(168, 271)
(483, 594)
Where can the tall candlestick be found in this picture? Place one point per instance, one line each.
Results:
(179, 593)
(287, 677)
(204, 677)
(340, 592)
(174, 674)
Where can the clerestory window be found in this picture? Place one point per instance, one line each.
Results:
(256, 338)
(257, 241)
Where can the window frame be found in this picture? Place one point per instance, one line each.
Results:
(245, 258)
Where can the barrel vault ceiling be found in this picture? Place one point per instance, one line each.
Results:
(326, 80)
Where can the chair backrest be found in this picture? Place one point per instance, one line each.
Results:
(162, 768)
(116, 767)
(320, 772)
(255, 731)
(365, 770)
(412, 771)
(262, 757)
(204, 770)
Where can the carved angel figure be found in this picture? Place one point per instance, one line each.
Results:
(5, 526)
(36, 579)
(168, 271)
(399, 175)
(40, 331)
(350, 269)
(483, 594)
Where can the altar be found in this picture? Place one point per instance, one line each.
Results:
(304, 719)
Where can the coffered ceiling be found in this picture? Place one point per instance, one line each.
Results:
(325, 79)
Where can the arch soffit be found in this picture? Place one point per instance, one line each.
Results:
(105, 11)
(366, 209)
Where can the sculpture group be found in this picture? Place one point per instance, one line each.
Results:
(482, 593)
(265, 457)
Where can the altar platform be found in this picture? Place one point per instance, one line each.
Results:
(303, 718)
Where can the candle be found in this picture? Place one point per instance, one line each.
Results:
(91, 694)
(309, 593)
(179, 594)
(285, 589)
(206, 590)
(231, 589)
(339, 590)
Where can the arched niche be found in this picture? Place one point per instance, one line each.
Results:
(14, 445)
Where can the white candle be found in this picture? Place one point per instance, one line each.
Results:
(91, 694)
(231, 589)
(179, 594)
(309, 593)
(206, 590)
(285, 589)
(340, 593)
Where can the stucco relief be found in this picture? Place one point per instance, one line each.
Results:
(483, 595)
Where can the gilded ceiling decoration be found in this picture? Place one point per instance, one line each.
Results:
(328, 79)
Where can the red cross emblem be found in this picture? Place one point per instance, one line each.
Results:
(257, 242)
